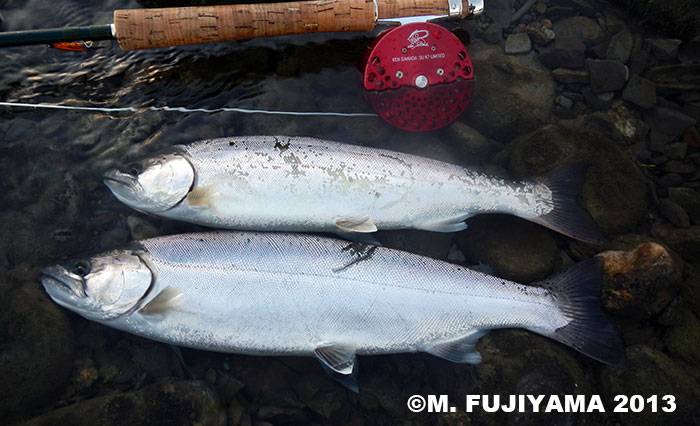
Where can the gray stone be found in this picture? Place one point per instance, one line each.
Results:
(658, 160)
(690, 52)
(574, 96)
(518, 43)
(36, 343)
(595, 101)
(676, 151)
(564, 113)
(674, 166)
(565, 102)
(493, 34)
(669, 121)
(581, 28)
(665, 49)
(541, 7)
(567, 52)
(515, 249)
(140, 228)
(674, 213)
(685, 242)
(671, 179)
(614, 192)
(167, 402)
(500, 11)
(519, 362)
(567, 76)
(689, 199)
(620, 47)
(470, 142)
(611, 21)
(606, 75)
(658, 140)
(649, 371)
(640, 91)
(639, 57)
(557, 12)
(514, 94)
(600, 50)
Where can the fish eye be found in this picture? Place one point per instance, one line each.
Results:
(134, 169)
(81, 268)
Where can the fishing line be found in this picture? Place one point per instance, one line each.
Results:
(184, 109)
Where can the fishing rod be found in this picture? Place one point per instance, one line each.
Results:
(417, 76)
(163, 27)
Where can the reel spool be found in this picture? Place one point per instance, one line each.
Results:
(418, 77)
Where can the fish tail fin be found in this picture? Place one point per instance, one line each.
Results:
(577, 292)
(567, 216)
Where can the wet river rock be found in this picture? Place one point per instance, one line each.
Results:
(647, 372)
(516, 249)
(36, 351)
(641, 282)
(514, 94)
(614, 192)
(168, 402)
(518, 362)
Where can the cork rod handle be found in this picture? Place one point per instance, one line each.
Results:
(150, 28)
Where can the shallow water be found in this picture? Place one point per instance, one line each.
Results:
(54, 206)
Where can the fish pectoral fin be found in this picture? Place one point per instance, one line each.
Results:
(363, 225)
(462, 350)
(340, 363)
(169, 298)
(451, 224)
(202, 196)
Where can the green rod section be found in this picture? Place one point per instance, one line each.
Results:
(56, 35)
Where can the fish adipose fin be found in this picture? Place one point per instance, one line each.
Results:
(577, 292)
(462, 350)
(567, 216)
(340, 363)
(451, 224)
(356, 224)
(169, 298)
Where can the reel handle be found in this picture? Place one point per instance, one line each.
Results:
(150, 28)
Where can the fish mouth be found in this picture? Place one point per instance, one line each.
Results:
(115, 179)
(60, 284)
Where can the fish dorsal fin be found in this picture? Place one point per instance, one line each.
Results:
(169, 298)
(340, 363)
(462, 350)
(356, 224)
(451, 224)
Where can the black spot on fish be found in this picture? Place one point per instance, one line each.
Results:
(360, 251)
(281, 147)
(231, 143)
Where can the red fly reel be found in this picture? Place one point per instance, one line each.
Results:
(418, 77)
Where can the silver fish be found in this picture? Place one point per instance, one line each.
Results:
(304, 184)
(296, 294)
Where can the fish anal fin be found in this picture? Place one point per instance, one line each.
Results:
(363, 225)
(461, 350)
(451, 224)
(340, 363)
(168, 298)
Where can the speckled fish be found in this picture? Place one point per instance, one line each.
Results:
(297, 294)
(301, 184)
